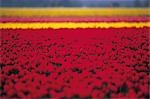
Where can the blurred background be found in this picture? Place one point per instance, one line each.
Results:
(74, 3)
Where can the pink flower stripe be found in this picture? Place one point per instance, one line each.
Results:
(76, 19)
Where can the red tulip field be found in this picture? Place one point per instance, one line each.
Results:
(74, 63)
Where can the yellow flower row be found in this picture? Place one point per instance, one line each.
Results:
(73, 25)
(51, 12)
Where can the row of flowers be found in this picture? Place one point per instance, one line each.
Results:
(77, 19)
(51, 12)
(72, 25)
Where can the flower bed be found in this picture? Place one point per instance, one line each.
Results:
(73, 63)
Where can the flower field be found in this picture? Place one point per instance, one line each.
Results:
(76, 56)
